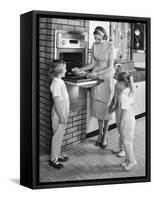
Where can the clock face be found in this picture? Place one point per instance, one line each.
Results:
(137, 32)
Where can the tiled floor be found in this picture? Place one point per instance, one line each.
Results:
(86, 161)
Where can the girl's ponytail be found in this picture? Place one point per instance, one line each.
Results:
(126, 78)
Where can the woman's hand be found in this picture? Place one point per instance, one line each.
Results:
(111, 109)
(76, 69)
(92, 75)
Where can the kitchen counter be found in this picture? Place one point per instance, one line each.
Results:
(139, 74)
(79, 93)
(77, 90)
(85, 84)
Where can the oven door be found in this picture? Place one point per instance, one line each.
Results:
(72, 57)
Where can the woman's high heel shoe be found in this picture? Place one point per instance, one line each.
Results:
(98, 144)
(104, 146)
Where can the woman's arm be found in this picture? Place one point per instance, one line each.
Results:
(89, 66)
(111, 105)
(114, 103)
(92, 62)
(57, 104)
(113, 98)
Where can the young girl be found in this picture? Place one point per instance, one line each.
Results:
(126, 116)
(60, 111)
(114, 108)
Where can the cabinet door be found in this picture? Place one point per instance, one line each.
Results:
(92, 123)
(139, 99)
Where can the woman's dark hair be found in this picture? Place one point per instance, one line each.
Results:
(126, 78)
(55, 68)
(99, 30)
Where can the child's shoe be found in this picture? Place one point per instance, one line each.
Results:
(55, 164)
(62, 158)
(130, 165)
(124, 164)
(116, 150)
(121, 153)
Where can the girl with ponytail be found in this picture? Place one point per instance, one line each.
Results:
(126, 119)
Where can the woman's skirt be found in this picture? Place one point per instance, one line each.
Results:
(101, 96)
(100, 110)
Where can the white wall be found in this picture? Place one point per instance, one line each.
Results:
(9, 101)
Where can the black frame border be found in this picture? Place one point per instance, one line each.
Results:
(29, 122)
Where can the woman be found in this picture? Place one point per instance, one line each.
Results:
(102, 68)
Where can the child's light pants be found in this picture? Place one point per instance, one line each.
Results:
(58, 130)
(127, 131)
(57, 142)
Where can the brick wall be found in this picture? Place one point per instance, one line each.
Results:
(76, 126)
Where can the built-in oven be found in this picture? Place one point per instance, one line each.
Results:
(72, 47)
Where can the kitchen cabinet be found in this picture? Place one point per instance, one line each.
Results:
(92, 123)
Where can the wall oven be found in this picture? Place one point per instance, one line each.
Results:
(72, 47)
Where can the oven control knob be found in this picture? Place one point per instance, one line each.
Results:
(63, 42)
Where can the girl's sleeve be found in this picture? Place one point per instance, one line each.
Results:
(55, 89)
(124, 101)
